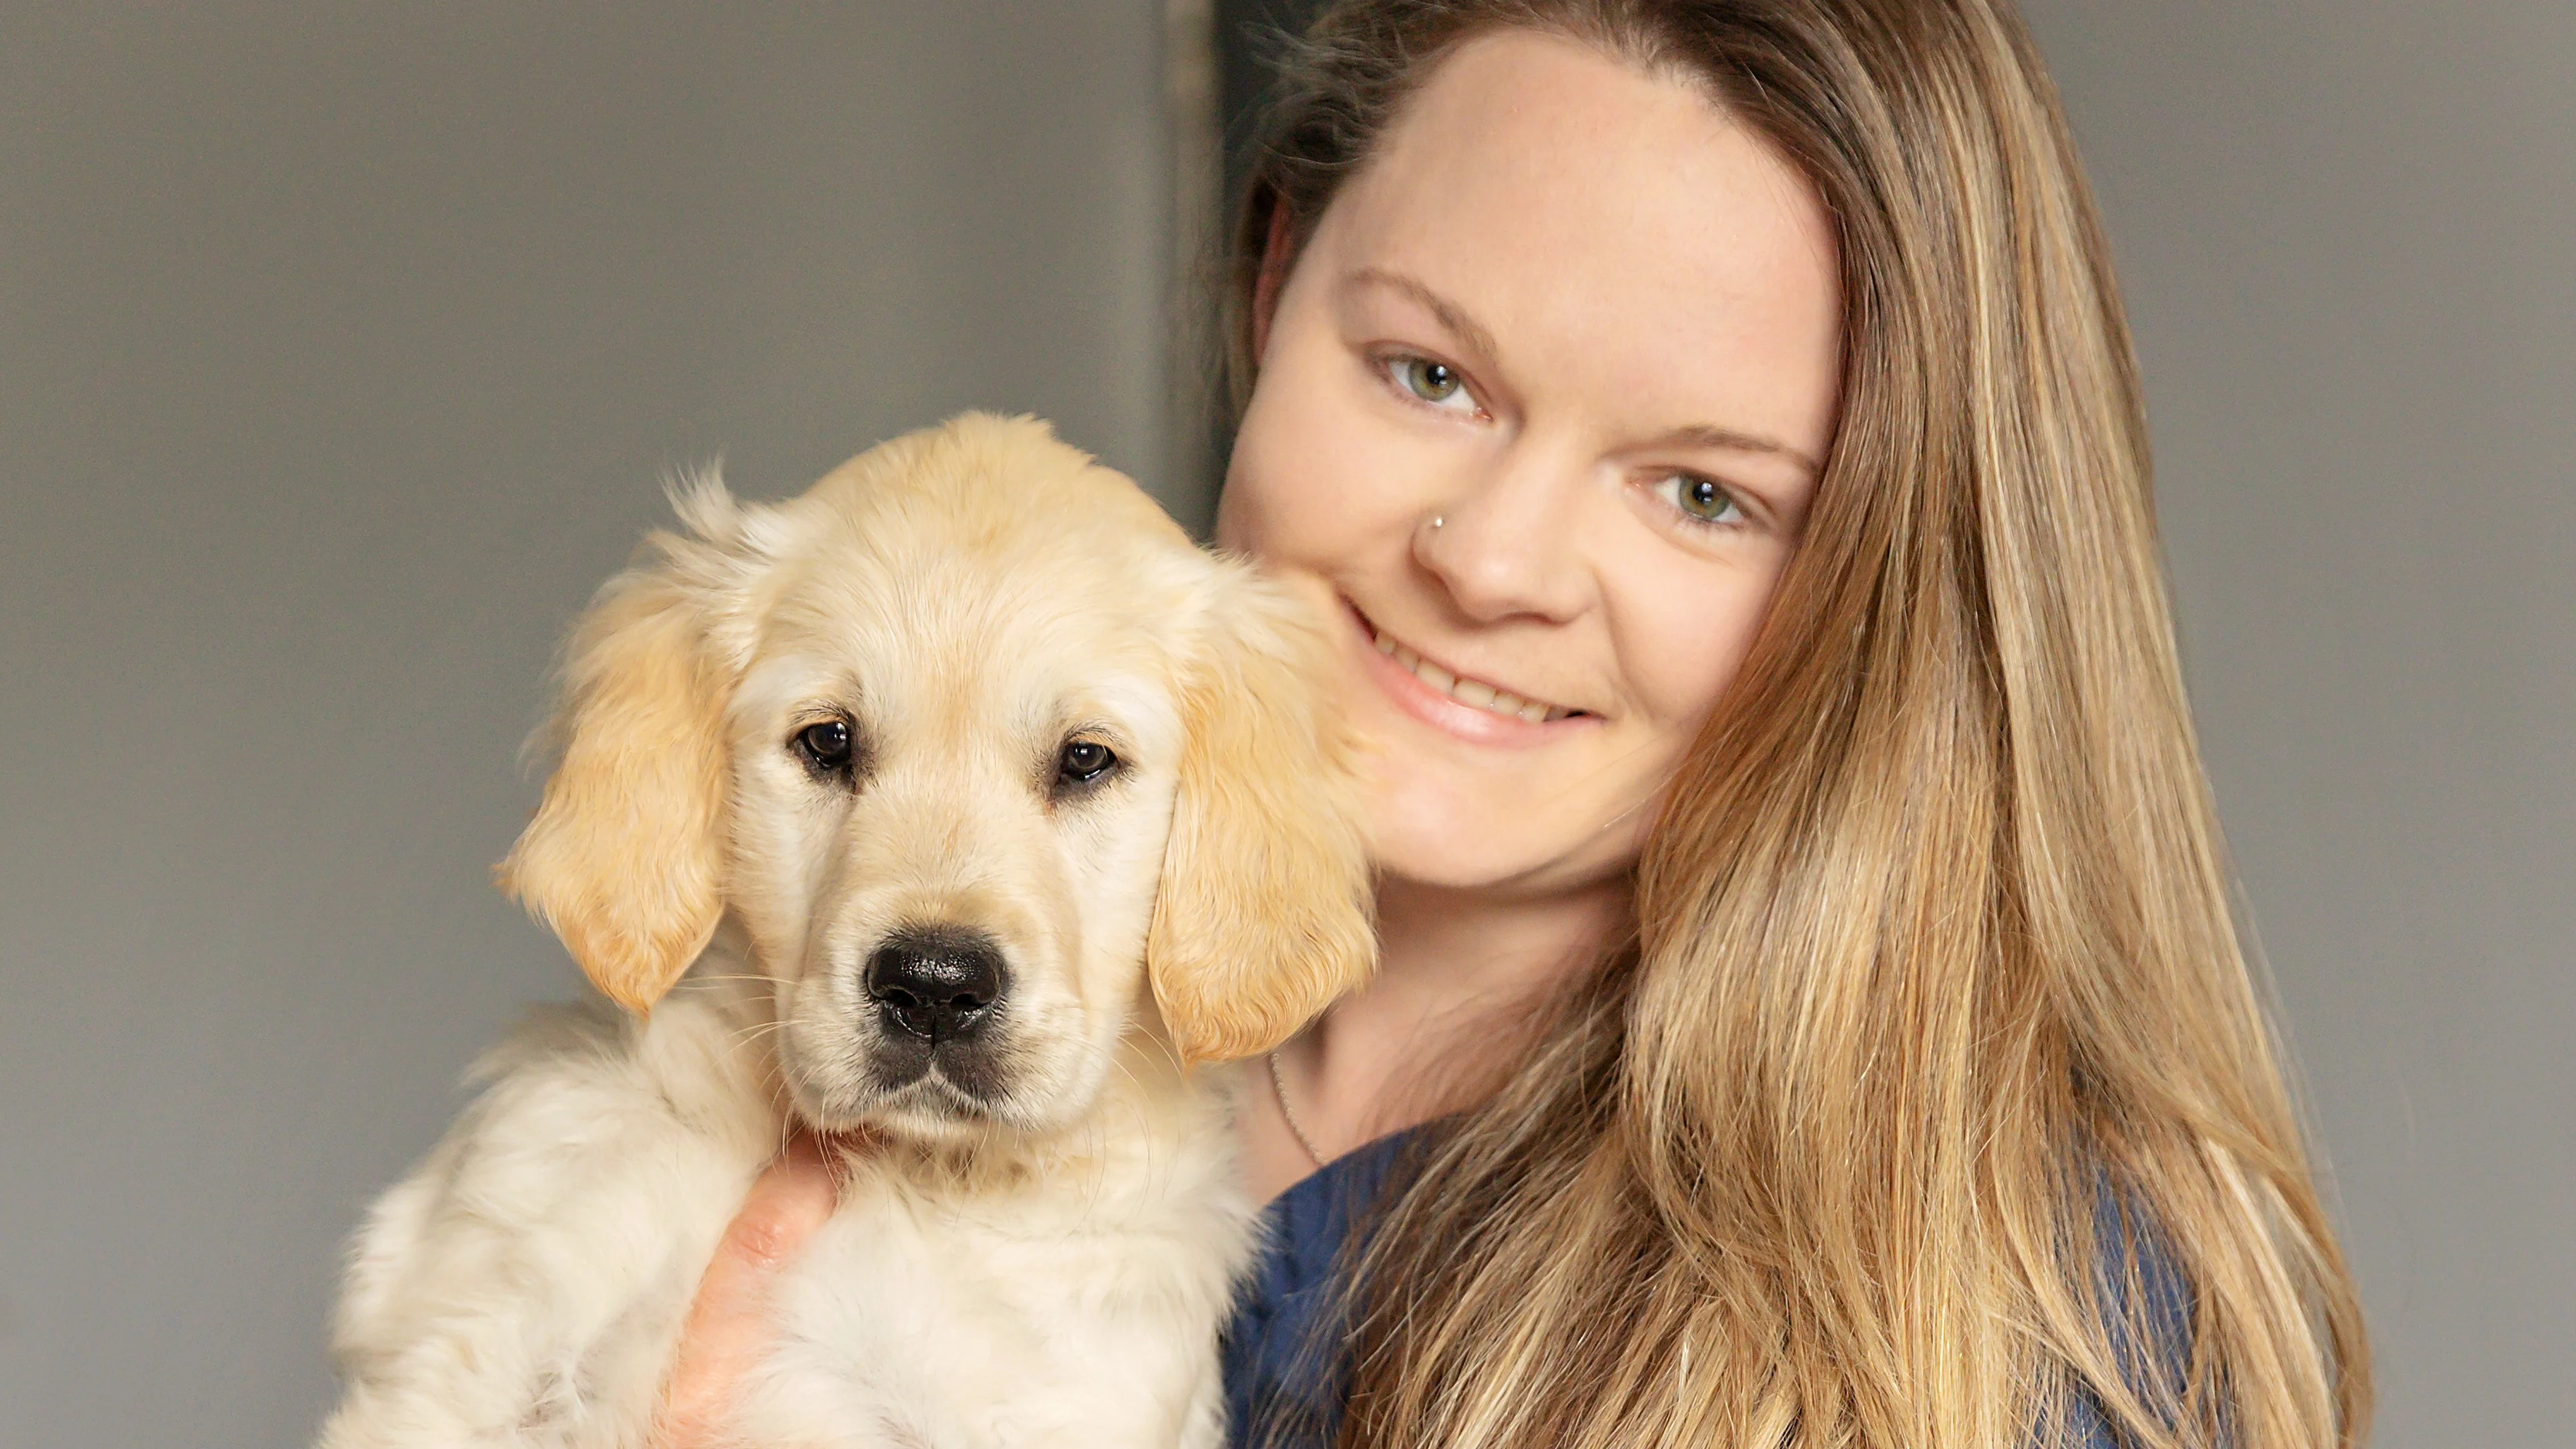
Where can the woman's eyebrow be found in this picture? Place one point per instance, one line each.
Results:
(1710, 435)
(1447, 313)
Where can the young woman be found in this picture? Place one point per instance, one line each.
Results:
(1810, 1012)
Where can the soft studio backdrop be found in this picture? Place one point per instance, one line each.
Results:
(342, 350)
(2347, 229)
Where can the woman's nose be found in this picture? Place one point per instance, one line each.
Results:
(1509, 545)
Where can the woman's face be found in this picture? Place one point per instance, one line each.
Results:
(1540, 406)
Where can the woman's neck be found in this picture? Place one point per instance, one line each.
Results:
(1460, 978)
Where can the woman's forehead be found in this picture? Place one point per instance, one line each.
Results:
(1602, 227)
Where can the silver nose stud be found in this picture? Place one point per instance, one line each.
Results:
(1438, 521)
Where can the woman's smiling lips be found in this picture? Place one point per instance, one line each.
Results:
(1468, 708)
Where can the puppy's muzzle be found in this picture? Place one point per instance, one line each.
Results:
(939, 984)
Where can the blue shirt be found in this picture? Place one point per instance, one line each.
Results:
(1285, 1374)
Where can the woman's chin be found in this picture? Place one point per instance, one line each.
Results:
(1486, 856)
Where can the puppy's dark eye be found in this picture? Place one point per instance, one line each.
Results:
(1084, 762)
(825, 747)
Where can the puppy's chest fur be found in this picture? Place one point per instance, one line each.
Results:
(526, 1285)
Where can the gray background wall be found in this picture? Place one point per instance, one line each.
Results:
(2347, 229)
(341, 350)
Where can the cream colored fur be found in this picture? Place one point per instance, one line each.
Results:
(1040, 1255)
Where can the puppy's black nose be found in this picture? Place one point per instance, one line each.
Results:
(938, 983)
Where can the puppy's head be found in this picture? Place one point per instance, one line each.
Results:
(989, 762)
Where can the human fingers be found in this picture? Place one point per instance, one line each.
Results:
(729, 1324)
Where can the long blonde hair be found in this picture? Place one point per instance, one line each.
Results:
(1935, 969)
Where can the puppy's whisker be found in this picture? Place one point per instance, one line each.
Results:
(1170, 1054)
(1117, 1062)
(1099, 1125)
(744, 1036)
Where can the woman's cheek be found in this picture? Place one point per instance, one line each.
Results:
(1312, 478)
(1258, 511)
(1689, 639)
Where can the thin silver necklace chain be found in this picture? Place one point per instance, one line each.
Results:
(1288, 1114)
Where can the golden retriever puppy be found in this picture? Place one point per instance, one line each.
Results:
(961, 800)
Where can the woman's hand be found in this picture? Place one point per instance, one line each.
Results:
(729, 1325)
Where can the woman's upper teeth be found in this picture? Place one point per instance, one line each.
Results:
(1468, 691)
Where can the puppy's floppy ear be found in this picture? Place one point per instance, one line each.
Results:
(624, 859)
(1263, 917)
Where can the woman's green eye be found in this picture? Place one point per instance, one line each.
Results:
(1433, 382)
(1703, 500)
